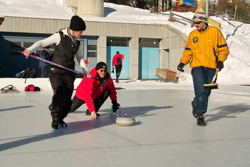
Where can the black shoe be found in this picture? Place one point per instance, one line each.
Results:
(201, 122)
(88, 114)
(193, 105)
(54, 125)
(62, 124)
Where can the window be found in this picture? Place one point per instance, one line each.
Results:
(118, 42)
(151, 43)
(92, 54)
(15, 44)
(27, 44)
(38, 52)
(15, 52)
(92, 47)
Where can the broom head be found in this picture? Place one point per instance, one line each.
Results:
(210, 86)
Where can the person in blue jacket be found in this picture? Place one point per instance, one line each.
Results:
(44, 66)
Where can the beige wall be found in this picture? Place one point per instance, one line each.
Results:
(89, 8)
(173, 39)
(134, 58)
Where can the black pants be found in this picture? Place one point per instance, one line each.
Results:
(63, 86)
(98, 102)
(118, 69)
(44, 72)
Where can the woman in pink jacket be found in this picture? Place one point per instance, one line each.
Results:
(95, 90)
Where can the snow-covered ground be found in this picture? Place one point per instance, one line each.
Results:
(237, 66)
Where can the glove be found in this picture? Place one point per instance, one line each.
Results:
(180, 67)
(112, 70)
(83, 66)
(220, 65)
(115, 106)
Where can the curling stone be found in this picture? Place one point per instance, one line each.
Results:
(125, 120)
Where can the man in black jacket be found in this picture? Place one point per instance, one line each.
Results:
(62, 81)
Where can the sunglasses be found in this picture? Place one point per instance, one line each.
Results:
(197, 22)
(103, 70)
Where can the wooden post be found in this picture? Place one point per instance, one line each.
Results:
(170, 18)
(88, 64)
(235, 11)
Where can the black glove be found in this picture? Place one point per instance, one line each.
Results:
(115, 106)
(220, 65)
(112, 70)
(180, 67)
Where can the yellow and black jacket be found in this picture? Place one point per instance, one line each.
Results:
(205, 48)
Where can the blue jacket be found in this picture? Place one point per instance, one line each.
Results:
(45, 55)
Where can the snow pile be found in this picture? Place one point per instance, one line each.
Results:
(237, 66)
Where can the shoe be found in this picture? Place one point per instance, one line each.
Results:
(62, 124)
(193, 105)
(88, 114)
(54, 125)
(201, 122)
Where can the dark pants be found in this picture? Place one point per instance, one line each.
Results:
(201, 76)
(98, 102)
(44, 71)
(118, 69)
(63, 86)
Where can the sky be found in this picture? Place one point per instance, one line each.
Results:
(236, 67)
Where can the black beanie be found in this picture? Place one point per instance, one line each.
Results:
(100, 65)
(77, 24)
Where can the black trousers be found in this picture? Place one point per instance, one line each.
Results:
(98, 102)
(118, 69)
(44, 72)
(63, 86)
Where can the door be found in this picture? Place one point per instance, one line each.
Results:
(111, 51)
(149, 58)
(122, 45)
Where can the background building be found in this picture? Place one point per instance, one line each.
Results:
(138, 42)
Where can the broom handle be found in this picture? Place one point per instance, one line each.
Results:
(215, 75)
(47, 61)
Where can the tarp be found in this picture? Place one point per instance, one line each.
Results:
(187, 3)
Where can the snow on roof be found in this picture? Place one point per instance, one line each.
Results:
(35, 8)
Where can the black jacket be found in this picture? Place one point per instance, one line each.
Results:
(64, 54)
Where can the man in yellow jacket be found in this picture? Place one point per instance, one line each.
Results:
(206, 49)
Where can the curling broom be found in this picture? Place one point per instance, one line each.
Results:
(212, 85)
(47, 61)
